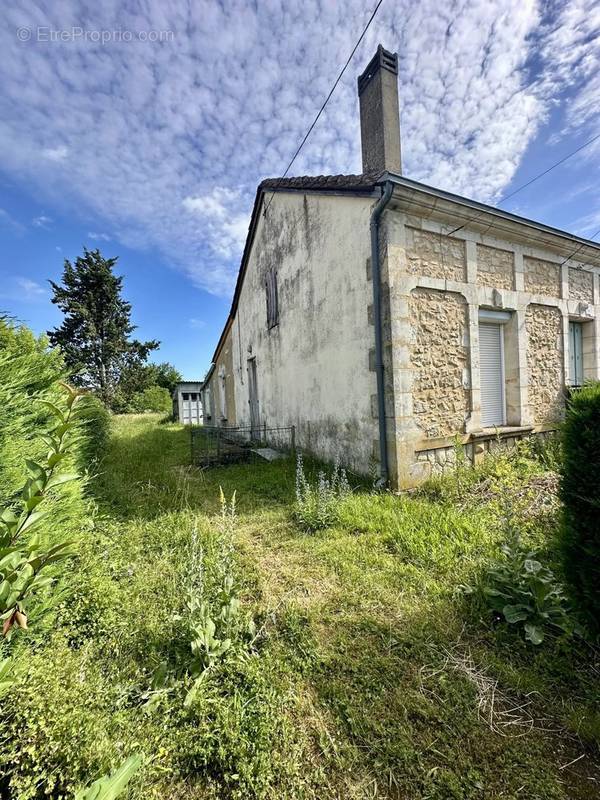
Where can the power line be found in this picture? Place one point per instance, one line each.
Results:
(532, 180)
(581, 246)
(316, 119)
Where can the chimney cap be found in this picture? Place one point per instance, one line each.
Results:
(383, 59)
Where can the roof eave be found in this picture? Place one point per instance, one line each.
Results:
(439, 203)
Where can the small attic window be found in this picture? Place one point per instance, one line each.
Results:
(272, 298)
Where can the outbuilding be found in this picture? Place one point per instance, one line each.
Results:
(187, 402)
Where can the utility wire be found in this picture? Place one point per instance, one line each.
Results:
(316, 119)
(532, 180)
(581, 246)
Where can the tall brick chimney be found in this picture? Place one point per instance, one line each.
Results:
(379, 114)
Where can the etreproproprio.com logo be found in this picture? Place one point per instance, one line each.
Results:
(44, 33)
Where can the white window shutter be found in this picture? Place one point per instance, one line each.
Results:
(491, 361)
(576, 353)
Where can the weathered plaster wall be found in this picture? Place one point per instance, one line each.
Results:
(542, 277)
(439, 359)
(224, 370)
(545, 361)
(495, 267)
(313, 367)
(434, 255)
(581, 285)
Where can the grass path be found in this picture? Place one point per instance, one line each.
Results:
(361, 621)
(371, 678)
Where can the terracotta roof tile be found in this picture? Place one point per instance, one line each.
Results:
(323, 182)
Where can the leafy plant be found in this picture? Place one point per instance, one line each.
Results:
(317, 506)
(212, 603)
(7, 676)
(580, 490)
(23, 559)
(524, 592)
(111, 786)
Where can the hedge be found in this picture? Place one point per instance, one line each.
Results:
(580, 489)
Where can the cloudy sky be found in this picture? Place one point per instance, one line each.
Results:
(142, 127)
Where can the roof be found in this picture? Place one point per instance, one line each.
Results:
(366, 184)
(345, 183)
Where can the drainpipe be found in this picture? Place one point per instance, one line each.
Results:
(379, 368)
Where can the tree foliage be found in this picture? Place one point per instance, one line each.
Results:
(139, 378)
(94, 336)
(154, 398)
(581, 496)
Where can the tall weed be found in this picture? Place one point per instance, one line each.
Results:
(317, 505)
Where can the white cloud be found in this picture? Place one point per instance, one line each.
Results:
(31, 289)
(22, 289)
(100, 236)
(224, 227)
(197, 324)
(7, 221)
(55, 153)
(42, 221)
(156, 127)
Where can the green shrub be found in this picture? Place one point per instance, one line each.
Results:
(155, 398)
(28, 370)
(580, 491)
(23, 553)
(95, 419)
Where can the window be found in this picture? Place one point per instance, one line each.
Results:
(185, 396)
(272, 299)
(193, 397)
(575, 353)
(223, 392)
(491, 367)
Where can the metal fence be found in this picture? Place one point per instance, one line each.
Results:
(211, 446)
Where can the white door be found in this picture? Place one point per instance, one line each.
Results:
(491, 365)
(190, 405)
(186, 403)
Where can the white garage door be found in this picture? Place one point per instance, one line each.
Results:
(190, 402)
(491, 361)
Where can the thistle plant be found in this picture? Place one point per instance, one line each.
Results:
(23, 557)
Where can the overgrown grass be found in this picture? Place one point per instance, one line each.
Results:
(371, 673)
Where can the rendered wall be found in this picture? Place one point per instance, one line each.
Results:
(313, 367)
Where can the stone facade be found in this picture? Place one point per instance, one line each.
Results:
(315, 370)
(581, 285)
(495, 267)
(435, 255)
(545, 362)
(542, 277)
(440, 361)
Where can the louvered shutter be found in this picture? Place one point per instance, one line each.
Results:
(491, 357)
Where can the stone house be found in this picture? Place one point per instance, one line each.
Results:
(390, 321)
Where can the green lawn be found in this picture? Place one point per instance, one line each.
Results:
(368, 672)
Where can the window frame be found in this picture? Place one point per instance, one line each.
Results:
(499, 319)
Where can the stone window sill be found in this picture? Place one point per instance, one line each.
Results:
(501, 430)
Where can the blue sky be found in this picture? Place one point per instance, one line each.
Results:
(150, 144)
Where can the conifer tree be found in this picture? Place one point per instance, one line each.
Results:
(94, 335)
